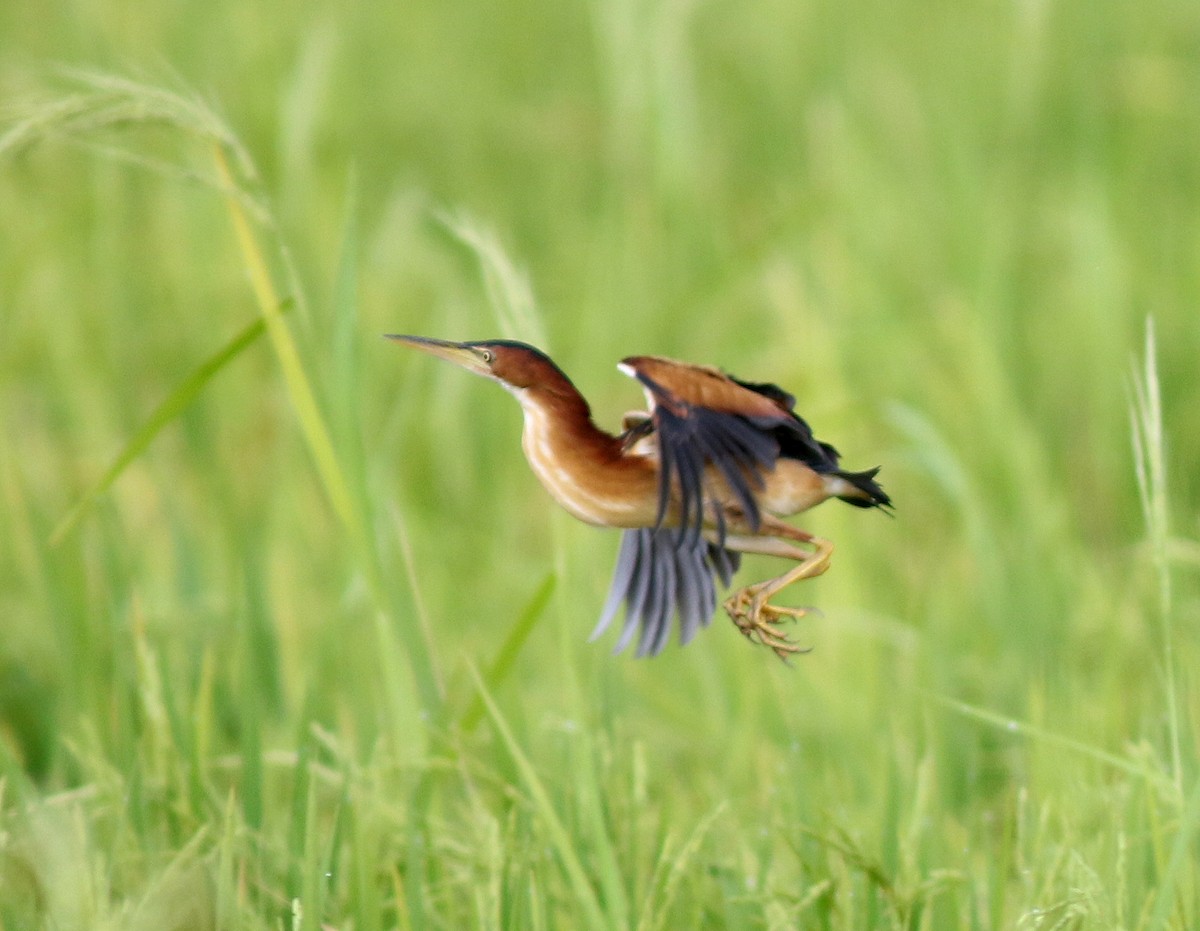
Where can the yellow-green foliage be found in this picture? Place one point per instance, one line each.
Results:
(289, 635)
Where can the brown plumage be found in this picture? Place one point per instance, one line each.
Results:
(700, 478)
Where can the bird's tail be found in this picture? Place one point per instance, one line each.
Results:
(863, 490)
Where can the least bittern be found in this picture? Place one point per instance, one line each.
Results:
(700, 478)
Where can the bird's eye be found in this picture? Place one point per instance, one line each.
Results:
(488, 356)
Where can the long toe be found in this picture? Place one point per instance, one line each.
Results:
(757, 619)
(783, 645)
(782, 611)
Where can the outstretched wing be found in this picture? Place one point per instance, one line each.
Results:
(662, 574)
(705, 421)
(795, 436)
(692, 438)
(702, 424)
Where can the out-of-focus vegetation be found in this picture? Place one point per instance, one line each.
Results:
(315, 656)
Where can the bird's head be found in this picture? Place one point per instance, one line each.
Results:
(514, 365)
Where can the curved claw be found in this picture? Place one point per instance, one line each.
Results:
(756, 618)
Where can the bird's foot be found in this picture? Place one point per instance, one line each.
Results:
(758, 620)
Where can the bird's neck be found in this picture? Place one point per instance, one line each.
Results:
(559, 419)
(577, 462)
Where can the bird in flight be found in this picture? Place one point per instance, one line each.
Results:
(702, 476)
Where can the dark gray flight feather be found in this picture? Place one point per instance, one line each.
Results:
(664, 575)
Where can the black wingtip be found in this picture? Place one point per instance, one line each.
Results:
(870, 493)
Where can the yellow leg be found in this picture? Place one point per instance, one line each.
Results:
(750, 607)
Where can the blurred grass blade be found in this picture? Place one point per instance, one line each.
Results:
(676, 863)
(228, 890)
(507, 286)
(1012, 726)
(1149, 448)
(1150, 464)
(501, 666)
(560, 838)
(167, 411)
(1181, 855)
(110, 104)
(343, 384)
(345, 336)
(300, 391)
(319, 440)
(597, 831)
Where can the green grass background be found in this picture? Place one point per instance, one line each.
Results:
(316, 657)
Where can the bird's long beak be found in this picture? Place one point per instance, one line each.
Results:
(461, 354)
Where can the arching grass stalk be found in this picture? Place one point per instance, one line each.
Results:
(319, 440)
(107, 103)
(1149, 449)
